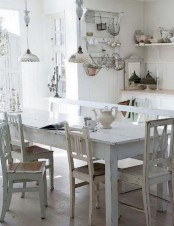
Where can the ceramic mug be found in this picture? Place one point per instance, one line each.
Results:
(92, 124)
(86, 119)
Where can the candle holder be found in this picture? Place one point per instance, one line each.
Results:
(157, 83)
(53, 85)
(9, 101)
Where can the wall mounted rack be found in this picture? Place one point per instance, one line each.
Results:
(92, 15)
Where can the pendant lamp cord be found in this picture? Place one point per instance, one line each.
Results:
(27, 21)
(79, 12)
(27, 38)
(79, 32)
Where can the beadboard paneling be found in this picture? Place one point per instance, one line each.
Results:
(165, 72)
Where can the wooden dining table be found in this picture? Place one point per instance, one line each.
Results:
(123, 140)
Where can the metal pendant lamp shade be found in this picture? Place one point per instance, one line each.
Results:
(79, 56)
(28, 56)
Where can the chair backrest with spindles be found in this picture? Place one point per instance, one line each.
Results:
(79, 147)
(15, 120)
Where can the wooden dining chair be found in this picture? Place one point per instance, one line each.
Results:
(158, 163)
(19, 172)
(92, 174)
(14, 142)
(29, 153)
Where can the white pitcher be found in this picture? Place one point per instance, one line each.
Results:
(106, 116)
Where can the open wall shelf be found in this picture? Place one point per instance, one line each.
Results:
(155, 44)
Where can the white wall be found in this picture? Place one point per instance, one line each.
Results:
(52, 8)
(36, 47)
(106, 85)
(138, 15)
(33, 85)
(160, 14)
(35, 27)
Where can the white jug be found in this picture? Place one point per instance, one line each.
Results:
(106, 116)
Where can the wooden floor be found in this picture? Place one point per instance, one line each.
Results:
(27, 211)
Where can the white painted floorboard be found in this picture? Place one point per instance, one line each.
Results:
(26, 212)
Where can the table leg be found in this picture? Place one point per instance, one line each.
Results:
(111, 191)
(50, 106)
(162, 192)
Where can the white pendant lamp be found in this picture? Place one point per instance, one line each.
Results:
(28, 56)
(80, 57)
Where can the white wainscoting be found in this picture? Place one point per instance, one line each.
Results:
(161, 99)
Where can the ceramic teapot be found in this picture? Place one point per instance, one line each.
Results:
(106, 117)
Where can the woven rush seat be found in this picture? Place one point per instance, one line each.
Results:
(99, 169)
(137, 172)
(25, 166)
(34, 150)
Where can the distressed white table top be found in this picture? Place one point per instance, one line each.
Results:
(121, 132)
(39, 118)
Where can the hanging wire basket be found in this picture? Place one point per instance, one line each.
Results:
(91, 69)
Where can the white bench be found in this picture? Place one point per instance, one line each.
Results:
(80, 104)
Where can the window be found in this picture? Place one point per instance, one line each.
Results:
(58, 49)
(10, 88)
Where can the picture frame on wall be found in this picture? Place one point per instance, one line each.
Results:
(133, 64)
